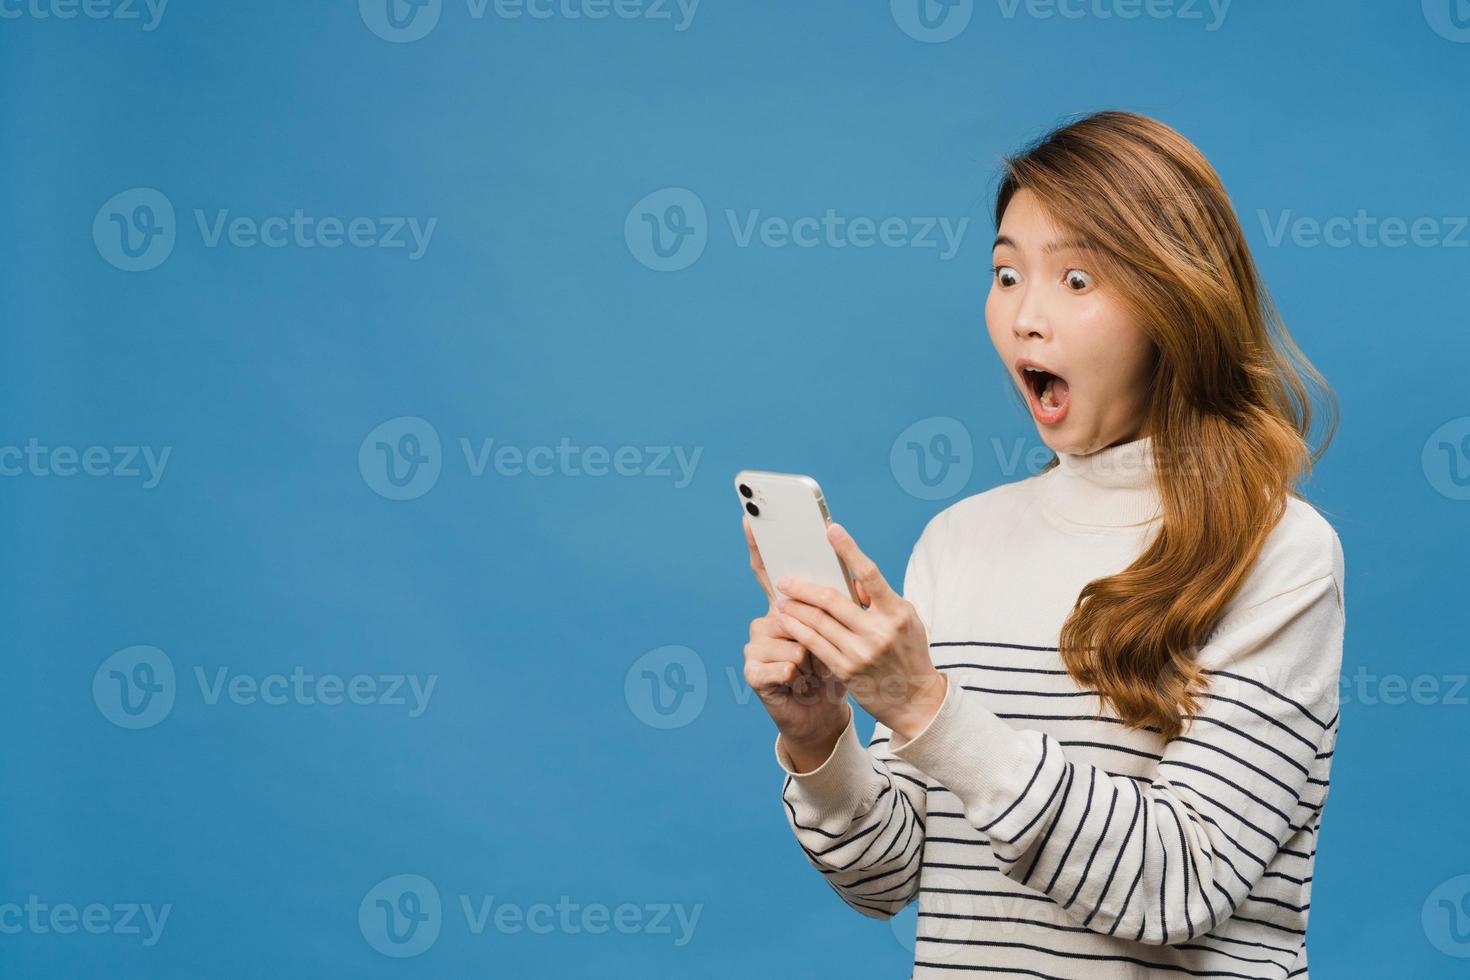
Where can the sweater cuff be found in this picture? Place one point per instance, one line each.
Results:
(986, 763)
(833, 793)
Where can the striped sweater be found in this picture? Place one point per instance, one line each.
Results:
(1041, 837)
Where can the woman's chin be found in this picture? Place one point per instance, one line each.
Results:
(1056, 439)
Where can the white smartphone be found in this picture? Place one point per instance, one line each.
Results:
(789, 518)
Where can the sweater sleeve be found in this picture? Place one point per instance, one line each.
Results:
(1165, 862)
(859, 817)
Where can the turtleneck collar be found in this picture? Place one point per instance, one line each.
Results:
(1111, 488)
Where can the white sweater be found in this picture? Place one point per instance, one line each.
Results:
(1044, 841)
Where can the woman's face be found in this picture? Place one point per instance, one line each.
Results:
(1050, 308)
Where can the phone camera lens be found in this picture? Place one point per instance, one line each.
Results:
(746, 492)
(753, 510)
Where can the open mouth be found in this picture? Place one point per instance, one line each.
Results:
(1049, 392)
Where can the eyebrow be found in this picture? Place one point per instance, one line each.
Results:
(1078, 244)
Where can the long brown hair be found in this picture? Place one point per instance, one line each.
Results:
(1230, 410)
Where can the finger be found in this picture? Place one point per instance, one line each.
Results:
(767, 625)
(840, 607)
(820, 620)
(765, 678)
(863, 569)
(775, 651)
(813, 665)
(814, 640)
(757, 564)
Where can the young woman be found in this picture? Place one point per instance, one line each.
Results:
(1106, 701)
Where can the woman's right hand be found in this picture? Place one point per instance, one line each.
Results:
(805, 700)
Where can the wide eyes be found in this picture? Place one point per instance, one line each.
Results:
(1075, 280)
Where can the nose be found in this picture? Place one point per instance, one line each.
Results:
(1032, 321)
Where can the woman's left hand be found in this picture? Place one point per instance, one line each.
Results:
(880, 653)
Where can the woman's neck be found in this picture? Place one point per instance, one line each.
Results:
(1113, 487)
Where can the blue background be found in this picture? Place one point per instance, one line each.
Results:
(530, 319)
